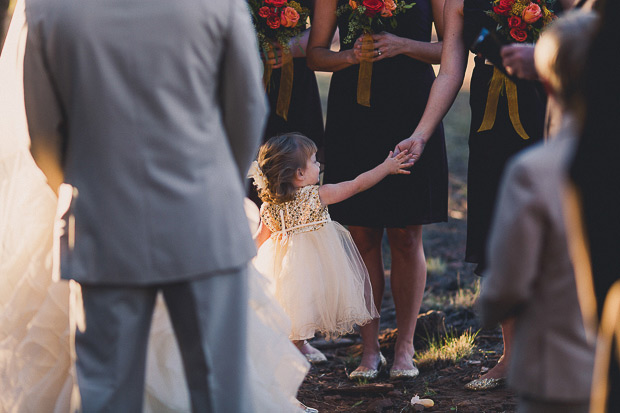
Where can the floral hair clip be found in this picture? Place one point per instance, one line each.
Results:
(256, 174)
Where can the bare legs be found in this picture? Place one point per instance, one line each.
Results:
(408, 280)
(501, 368)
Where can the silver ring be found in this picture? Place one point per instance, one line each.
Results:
(379, 52)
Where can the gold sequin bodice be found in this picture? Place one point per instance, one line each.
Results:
(298, 214)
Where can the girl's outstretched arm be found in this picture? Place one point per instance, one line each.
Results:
(333, 193)
(262, 234)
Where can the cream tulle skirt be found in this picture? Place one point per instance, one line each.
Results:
(320, 280)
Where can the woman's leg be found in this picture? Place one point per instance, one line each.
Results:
(368, 242)
(408, 279)
(501, 368)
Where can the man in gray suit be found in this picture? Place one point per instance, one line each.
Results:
(152, 111)
(530, 272)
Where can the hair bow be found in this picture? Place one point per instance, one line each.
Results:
(256, 174)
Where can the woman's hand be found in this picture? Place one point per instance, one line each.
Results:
(414, 145)
(385, 45)
(363, 50)
(273, 57)
(398, 164)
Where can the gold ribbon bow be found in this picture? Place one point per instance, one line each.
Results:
(365, 73)
(498, 82)
(286, 83)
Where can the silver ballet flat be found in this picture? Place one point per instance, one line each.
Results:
(316, 358)
(400, 374)
(307, 409)
(368, 374)
(485, 384)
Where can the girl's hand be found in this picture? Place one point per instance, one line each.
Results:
(398, 164)
(387, 45)
(413, 145)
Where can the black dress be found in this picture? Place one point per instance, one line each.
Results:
(490, 150)
(304, 114)
(358, 138)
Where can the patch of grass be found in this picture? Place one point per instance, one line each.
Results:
(436, 265)
(447, 350)
(462, 298)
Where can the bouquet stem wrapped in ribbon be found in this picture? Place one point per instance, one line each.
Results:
(518, 21)
(277, 22)
(367, 17)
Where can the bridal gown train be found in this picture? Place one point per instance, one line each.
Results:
(35, 328)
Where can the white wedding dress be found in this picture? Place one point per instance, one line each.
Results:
(36, 372)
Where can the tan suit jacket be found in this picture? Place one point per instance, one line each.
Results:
(530, 276)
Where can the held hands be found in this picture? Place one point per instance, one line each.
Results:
(385, 45)
(414, 146)
(398, 164)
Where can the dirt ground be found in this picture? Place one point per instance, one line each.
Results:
(328, 389)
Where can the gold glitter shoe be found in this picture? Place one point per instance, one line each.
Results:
(485, 384)
(368, 374)
(397, 374)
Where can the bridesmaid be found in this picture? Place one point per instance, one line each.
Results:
(304, 115)
(358, 136)
(489, 150)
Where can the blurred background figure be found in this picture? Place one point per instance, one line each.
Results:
(530, 275)
(595, 203)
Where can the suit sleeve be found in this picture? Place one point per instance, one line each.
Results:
(515, 243)
(43, 110)
(243, 96)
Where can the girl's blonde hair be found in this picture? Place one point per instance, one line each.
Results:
(279, 158)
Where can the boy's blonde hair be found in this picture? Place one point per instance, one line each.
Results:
(561, 54)
(279, 158)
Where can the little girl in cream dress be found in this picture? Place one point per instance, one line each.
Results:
(319, 276)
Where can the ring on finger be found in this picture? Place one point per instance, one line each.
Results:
(379, 53)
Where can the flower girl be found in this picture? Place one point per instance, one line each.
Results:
(320, 279)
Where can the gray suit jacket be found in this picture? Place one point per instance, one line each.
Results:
(530, 275)
(157, 108)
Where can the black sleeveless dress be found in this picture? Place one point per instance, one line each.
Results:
(358, 138)
(304, 115)
(490, 150)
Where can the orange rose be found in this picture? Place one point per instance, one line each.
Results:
(531, 13)
(289, 17)
(353, 4)
(390, 5)
(386, 13)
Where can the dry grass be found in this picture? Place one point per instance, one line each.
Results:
(447, 350)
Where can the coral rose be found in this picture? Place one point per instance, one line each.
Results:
(531, 13)
(276, 3)
(353, 4)
(386, 13)
(518, 34)
(273, 21)
(516, 22)
(263, 12)
(390, 5)
(373, 7)
(289, 17)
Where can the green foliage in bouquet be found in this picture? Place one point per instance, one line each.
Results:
(371, 16)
